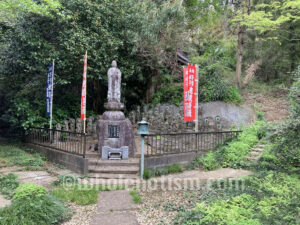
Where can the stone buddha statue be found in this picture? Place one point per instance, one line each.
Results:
(114, 83)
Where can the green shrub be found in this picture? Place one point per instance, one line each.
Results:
(168, 92)
(160, 172)
(209, 161)
(27, 191)
(147, 174)
(294, 95)
(8, 184)
(233, 95)
(43, 210)
(260, 115)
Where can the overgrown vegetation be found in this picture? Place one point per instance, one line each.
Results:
(233, 153)
(12, 155)
(271, 195)
(8, 184)
(33, 205)
(267, 198)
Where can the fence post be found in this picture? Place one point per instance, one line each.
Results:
(84, 145)
(197, 142)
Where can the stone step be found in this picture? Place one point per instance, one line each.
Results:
(257, 149)
(114, 169)
(105, 162)
(250, 158)
(260, 146)
(99, 176)
(92, 155)
(254, 153)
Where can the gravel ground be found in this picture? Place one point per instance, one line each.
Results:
(82, 214)
(160, 207)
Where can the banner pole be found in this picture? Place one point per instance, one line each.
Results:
(84, 124)
(83, 93)
(197, 104)
(51, 105)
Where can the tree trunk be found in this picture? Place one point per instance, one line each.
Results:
(239, 59)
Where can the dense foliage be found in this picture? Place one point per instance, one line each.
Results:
(145, 38)
(119, 30)
(284, 153)
(33, 205)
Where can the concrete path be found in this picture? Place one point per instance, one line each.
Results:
(115, 208)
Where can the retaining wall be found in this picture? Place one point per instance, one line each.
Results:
(75, 163)
(155, 162)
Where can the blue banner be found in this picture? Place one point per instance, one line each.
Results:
(49, 89)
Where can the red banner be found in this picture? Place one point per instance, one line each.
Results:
(189, 88)
(83, 90)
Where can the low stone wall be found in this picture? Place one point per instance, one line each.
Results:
(155, 162)
(168, 118)
(75, 163)
(213, 116)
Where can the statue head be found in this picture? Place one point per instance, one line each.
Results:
(114, 64)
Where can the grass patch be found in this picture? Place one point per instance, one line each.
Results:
(11, 155)
(82, 194)
(136, 198)
(77, 194)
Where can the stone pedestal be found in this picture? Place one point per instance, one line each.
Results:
(115, 132)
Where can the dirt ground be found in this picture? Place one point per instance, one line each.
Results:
(275, 105)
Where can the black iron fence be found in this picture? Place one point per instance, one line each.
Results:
(161, 144)
(70, 142)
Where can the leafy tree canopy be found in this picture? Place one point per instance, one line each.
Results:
(11, 9)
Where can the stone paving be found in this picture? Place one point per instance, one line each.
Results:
(43, 177)
(115, 208)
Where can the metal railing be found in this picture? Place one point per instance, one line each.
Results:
(162, 144)
(65, 141)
